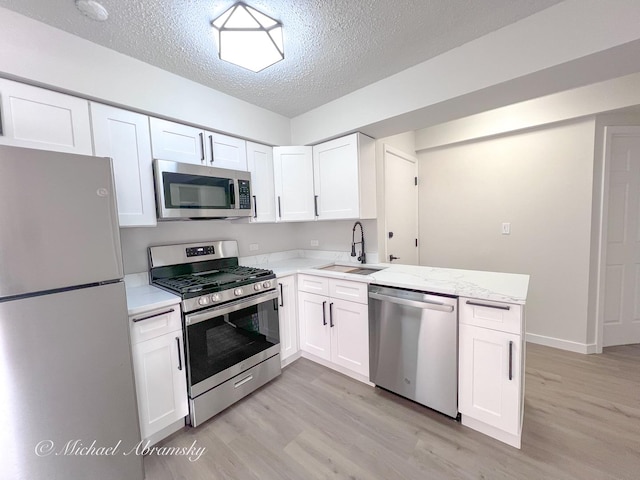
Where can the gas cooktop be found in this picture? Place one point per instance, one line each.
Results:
(211, 281)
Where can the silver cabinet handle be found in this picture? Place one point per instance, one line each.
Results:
(211, 145)
(152, 316)
(279, 209)
(255, 207)
(510, 360)
(201, 147)
(179, 356)
(243, 381)
(499, 307)
(315, 204)
(413, 303)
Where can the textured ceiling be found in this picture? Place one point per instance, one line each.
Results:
(332, 47)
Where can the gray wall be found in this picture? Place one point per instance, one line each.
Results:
(539, 180)
(335, 235)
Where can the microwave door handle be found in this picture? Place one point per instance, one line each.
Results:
(232, 193)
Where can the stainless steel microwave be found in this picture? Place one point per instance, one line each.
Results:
(187, 191)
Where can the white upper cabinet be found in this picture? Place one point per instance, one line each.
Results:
(260, 164)
(37, 118)
(177, 142)
(124, 136)
(345, 178)
(224, 151)
(182, 143)
(293, 175)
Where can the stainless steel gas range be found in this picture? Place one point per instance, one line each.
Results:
(230, 322)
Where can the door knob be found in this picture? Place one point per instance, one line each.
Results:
(392, 258)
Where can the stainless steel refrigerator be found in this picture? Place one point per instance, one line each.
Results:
(67, 396)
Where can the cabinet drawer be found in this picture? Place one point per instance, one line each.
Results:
(348, 290)
(505, 317)
(313, 284)
(154, 323)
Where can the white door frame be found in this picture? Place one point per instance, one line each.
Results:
(410, 158)
(609, 132)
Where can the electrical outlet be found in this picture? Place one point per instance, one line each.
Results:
(253, 247)
(315, 243)
(506, 229)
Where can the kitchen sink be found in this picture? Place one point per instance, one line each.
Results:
(351, 269)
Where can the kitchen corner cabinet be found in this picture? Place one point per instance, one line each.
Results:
(159, 369)
(124, 136)
(491, 368)
(33, 117)
(288, 314)
(333, 319)
(260, 165)
(293, 176)
(183, 143)
(344, 174)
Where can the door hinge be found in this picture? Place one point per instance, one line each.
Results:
(415, 180)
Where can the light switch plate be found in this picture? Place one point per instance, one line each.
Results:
(315, 243)
(506, 229)
(253, 247)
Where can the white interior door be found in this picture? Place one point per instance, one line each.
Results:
(400, 206)
(621, 306)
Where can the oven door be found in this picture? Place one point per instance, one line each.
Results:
(223, 341)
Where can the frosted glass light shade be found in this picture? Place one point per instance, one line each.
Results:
(248, 38)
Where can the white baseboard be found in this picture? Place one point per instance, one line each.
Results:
(568, 345)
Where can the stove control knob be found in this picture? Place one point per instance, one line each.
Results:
(237, 292)
(215, 297)
(203, 301)
(266, 284)
(257, 286)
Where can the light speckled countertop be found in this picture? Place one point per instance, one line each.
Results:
(501, 287)
(496, 286)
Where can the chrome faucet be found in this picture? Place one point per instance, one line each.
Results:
(362, 258)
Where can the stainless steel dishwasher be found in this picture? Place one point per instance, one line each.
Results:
(413, 346)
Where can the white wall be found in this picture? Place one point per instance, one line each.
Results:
(42, 55)
(336, 235)
(540, 181)
(571, 44)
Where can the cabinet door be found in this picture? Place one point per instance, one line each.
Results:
(124, 136)
(288, 313)
(489, 390)
(313, 318)
(349, 323)
(293, 174)
(161, 385)
(177, 142)
(260, 164)
(335, 176)
(224, 151)
(37, 118)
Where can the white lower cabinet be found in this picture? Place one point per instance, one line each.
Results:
(332, 328)
(491, 368)
(288, 316)
(160, 374)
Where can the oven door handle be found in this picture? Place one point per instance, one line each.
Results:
(230, 307)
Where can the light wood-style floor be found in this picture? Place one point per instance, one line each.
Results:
(582, 421)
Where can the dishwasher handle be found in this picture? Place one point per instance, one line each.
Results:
(412, 303)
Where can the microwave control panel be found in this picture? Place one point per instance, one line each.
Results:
(244, 197)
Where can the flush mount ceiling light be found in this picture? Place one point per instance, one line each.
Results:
(248, 38)
(93, 10)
